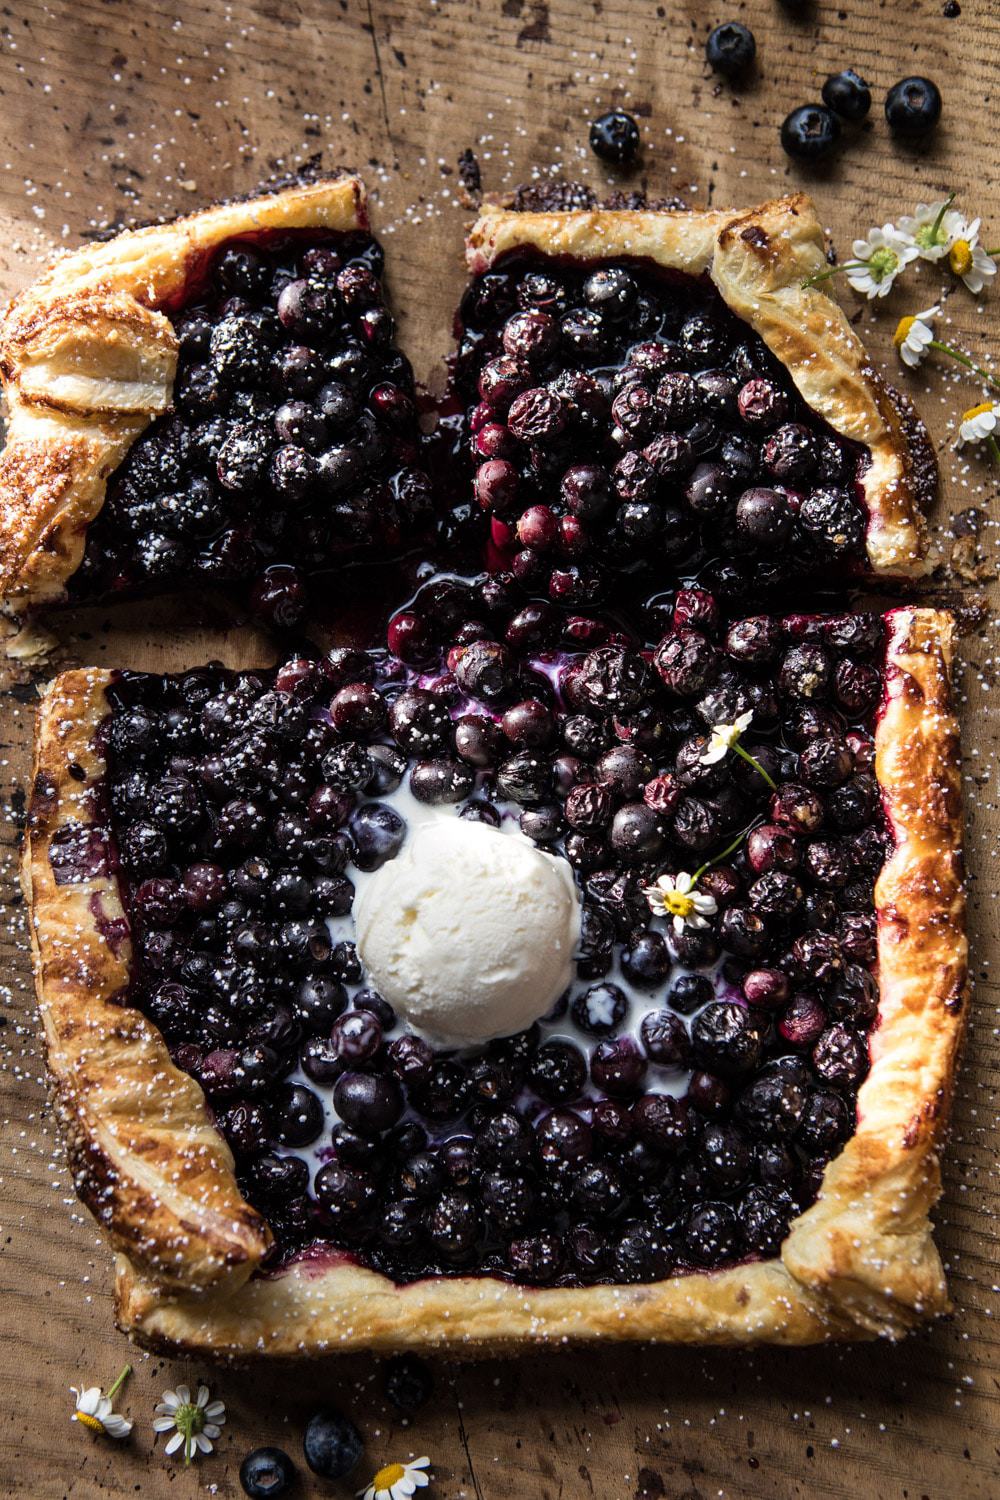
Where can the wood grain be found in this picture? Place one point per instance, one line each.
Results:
(116, 112)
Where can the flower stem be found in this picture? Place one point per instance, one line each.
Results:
(188, 1419)
(737, 841)
(994, 448)
(745, 754)
(113, 1390)
(940, 217)
(964, 359)
(848, 265)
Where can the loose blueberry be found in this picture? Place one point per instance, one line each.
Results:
(614, 137)
(267, 1473)
(913, 106)
(332, 1444)
(810, 132)
(408, 1383)
(730, 49)
(847, 95)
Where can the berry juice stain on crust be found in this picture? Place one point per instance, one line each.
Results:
(675, 1107)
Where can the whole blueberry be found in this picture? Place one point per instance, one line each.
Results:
(763, 517)
(378, 832)
(810, 132)
(332, 1444)
(712, 1234)
(369, 1103)
(614, 137)
(408, 1383)
(726, 1039)
(266, 1473)
(618, 1067)
(730, 49)
(913, 106)
(600, 1010)
(847, 95)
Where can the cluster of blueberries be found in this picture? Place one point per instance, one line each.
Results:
(809, 132)
(331, 1444)
(293, 441)
(617, 418)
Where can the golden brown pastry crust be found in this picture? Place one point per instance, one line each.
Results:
(758, 260)
(859, 1263)
(87, 360)
(145, 1154)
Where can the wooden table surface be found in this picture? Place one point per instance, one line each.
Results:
(115, 111)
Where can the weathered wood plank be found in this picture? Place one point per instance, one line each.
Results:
(113, 111)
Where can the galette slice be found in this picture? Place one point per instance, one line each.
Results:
(528, 989)
(668, 390)
(213, 400)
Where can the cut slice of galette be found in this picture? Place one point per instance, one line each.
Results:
(215, 400)
(548, 977)
(669, 391)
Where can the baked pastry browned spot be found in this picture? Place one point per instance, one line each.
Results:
(725, 1130)
(214, 400)
(664, 390)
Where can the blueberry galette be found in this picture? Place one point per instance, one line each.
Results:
(524, 991)
(216, 400)
(582, 956)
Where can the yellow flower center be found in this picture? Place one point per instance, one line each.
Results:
(902, 331)
(678, 904)
(977, 411)
(88, 1421)
(387, 1477)
(960, 257)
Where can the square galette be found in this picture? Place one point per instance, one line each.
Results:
(581, 954)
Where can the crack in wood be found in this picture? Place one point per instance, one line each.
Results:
(379, 75)
(463, 1438)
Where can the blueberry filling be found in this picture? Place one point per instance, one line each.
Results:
(293, 438)
(617, 416)
(676, 1109)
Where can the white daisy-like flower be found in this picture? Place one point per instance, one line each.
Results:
(94, 1409)
(878, 260)
(397, 1481)
(724, 737)
(979, 422)
(675, 896)
(932, 228)
(914, 336)
(968, 259)
(195, 1424)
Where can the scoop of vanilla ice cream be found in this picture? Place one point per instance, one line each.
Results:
(469, 933)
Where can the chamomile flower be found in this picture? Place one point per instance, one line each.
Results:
(878, 260)
(914, 336)
(932, 228)
(675, 896)
(979, 425)
(979, 422)
(94, 1409)
(968, 259)
(397, 1481)
(724, 738)
(195, 1424)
